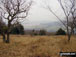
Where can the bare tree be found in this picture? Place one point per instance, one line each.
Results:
(2, 25)
(69, 9)
(14, 10)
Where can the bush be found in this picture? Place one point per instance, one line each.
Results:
(35, 34)
(19, 29)
(42, 32)
(60, 32)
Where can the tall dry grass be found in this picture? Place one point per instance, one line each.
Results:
(36, 46)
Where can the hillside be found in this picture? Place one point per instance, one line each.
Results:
(36, 46)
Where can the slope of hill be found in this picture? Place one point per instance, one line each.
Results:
(36, 46)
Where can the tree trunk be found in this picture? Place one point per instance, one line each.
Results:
(4, 39)
(68, 34)
(3, 35)
(7, 41)
(8, 33)
(69, 37)
(73, 32)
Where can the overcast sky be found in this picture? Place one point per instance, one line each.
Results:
(39, 14)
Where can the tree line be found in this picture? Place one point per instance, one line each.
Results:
(43, 32)
(16, 29)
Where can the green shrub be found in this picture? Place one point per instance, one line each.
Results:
(42, 32)
(60, 32)
(19, 29)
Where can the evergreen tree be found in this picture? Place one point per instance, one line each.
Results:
(18, 29)
(60, 32)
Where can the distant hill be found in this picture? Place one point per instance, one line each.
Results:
(49, 26)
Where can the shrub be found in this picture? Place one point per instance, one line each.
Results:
(60, 32)
(19, 29)
(42, 32)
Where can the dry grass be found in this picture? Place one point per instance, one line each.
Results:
(36, 46)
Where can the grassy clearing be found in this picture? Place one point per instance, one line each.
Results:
(36, 46)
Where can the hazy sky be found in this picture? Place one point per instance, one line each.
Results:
(39, 14)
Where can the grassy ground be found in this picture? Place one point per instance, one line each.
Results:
(36, 46)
